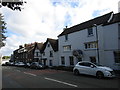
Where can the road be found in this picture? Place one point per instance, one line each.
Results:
(19, 77)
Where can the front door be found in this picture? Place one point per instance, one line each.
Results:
(44, 62)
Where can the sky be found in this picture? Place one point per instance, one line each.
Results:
(42, 19)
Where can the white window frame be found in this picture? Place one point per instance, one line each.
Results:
(67, 48)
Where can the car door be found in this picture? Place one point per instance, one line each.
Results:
(82, 68)
(89, 68)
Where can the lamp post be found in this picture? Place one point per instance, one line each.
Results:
(97, 43)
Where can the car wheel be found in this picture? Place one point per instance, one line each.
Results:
(99, 75)
(76, 72)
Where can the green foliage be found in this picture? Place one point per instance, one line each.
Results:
(2, 31)
(12, 4)
(6, 57)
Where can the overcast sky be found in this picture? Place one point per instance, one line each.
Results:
(42, 19)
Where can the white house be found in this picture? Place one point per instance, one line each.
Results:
(50, 52)
(38, 52)
(96, 40)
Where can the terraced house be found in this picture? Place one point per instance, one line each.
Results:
(50, 52)
(96, 40)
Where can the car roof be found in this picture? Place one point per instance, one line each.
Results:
(84, 62)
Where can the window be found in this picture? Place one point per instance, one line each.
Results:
(91, 45)
(117, 56)
(51, 53)
(67, 48)
(63, 60)
(71, 60)
(90, 31)
(43, 53)
(36, 54)
(93, 60)
(48, 45)
(85, 64)
(66, 37)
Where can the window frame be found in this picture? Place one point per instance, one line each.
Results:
(67, 48)
(90, 31)
(51, 53)
(62, 60)
(66, 37)
(71, 62)
(91, 45)
(117, 56)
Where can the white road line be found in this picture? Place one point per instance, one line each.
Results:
(61, 82)
(30, 74)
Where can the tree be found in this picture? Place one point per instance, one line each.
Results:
(2, 31)
(12, 4)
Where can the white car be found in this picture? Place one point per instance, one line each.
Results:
(20, 64)
(89, 68)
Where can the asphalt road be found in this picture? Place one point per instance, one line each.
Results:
(18, 77)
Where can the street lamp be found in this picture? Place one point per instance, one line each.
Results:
(95, 25)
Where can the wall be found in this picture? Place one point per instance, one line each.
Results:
(107, 43)
(47, 55)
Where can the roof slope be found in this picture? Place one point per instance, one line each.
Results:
(115, 19)
(98, 21)
(53, 43)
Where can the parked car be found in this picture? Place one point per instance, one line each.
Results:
(36, 65)
(27, 65)
(11, 63)
(89, 68)
(20, 64)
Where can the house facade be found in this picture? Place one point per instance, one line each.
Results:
(24, 53)
(50, 53)
(96, 40)
(38, 52)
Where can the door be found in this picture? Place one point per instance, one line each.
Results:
(50, 62)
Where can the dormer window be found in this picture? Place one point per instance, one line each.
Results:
(90, 31)
(66, 37)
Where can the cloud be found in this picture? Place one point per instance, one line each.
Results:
(42, 19)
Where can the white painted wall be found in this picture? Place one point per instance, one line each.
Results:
(54, 59)
(39, 54)
(108, 42)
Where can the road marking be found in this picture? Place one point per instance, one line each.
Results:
(61, 82)
(30, 74)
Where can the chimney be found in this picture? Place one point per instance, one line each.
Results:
(65, 28)
(119, 7)
(20, 46)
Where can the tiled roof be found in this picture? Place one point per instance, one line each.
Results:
(115, 19)
(53, 43)
(39, 46)
(98, 21)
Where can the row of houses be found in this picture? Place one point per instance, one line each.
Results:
(96, 40)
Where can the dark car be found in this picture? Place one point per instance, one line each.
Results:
(36, 65)
(27, 65)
